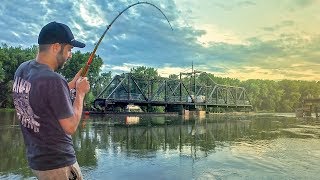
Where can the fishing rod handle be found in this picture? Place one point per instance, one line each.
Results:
(85, 70)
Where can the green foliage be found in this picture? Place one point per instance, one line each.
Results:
(173, 76)
(1, 72)
(143, 76)
(10, 59)
(266, 95)
(88, 100)
(77, 62)
(100, 83)
(279, 96)
(144, 72)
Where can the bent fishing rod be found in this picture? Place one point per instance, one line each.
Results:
(86, 67)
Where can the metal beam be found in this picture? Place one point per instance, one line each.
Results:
(145, 97)
(116, 88)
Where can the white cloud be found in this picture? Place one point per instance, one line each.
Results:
(166, 71)
(91, 13)
(216, 35)
(122, 36)
(80, 32)
(124, 68)
(15, 34)
(49, 11)
(115, 47)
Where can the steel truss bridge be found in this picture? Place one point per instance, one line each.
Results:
(174, 94)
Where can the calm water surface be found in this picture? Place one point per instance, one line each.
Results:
(264, 146)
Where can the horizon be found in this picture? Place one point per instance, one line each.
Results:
(239, 39)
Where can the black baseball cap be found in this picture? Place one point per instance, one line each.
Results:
(55, 32)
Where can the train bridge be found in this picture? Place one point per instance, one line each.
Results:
(175, 95)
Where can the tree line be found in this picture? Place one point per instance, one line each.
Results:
(264, 95)
(12, 57)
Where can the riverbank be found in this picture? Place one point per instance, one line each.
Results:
(7, 110)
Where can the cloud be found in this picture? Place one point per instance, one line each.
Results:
(211, 33)
(304, 3)
(276, 57)
(166, 71)
(283, 24)
(231, 5)
(238, 38)
(91, 13)
(246, 3)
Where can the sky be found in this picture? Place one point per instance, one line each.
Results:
(243, 39)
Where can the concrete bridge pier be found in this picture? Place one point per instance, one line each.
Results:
(199, 111)
(182, 110)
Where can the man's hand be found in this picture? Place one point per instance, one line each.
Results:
(82, 85)
(72, 84)
(70, 124)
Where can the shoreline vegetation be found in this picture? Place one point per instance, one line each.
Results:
(7, 110)
(264, 95)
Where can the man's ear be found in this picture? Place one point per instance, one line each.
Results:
(55, 47)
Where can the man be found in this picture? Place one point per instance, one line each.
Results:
(42, 101)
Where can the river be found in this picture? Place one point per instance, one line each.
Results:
(233, 146)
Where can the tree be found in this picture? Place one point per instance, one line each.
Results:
(144, 72)
(10, 59)
(100, 83)
(77, 62)
(174, 76)
(1, 72)
(291, 97)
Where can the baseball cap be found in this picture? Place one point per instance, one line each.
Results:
(55, 32)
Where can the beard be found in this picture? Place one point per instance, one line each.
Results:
(61, 60)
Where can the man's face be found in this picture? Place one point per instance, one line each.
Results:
(64, 55)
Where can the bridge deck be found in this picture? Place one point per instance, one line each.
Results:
(163, 103)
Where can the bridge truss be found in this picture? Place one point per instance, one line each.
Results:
(186, 92)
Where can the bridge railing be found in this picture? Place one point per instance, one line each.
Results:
(131, 96)
(169, 98)
(172, 99)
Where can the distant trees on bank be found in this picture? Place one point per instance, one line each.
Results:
(265, 95)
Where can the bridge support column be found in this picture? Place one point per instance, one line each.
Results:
(198, 113)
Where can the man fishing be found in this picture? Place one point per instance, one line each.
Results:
(42, 101)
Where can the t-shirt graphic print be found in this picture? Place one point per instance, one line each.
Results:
(21, 89)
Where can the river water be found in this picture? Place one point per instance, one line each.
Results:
(266, 146)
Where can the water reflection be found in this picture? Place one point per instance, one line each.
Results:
(145, 137)
(12, 151)
(140, 136)
(131, 120)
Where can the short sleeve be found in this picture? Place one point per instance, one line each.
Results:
(59, 99)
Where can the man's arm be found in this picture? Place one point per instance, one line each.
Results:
(72, 84)
(70, 124)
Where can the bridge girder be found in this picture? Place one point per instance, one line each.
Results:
(126, 88)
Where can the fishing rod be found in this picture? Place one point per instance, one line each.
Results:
(86, 67)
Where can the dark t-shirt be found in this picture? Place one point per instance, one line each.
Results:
(42, 98)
